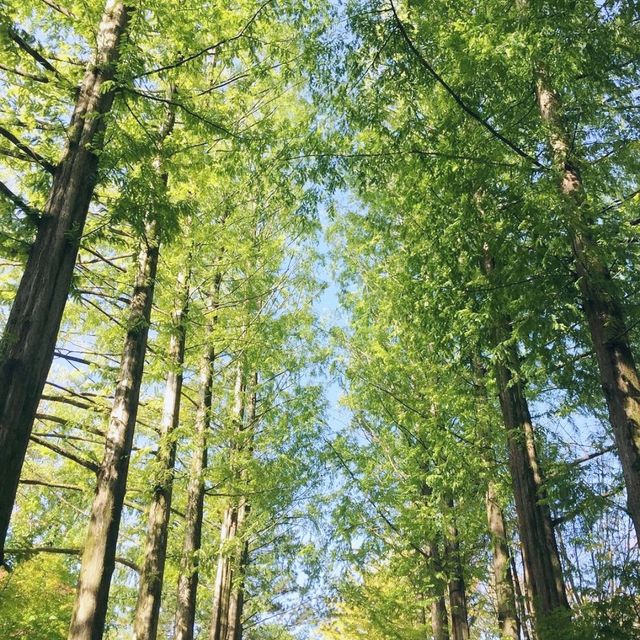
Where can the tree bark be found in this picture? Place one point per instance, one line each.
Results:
(29, 338)
(188, 578)
(503, 582)
(152, 572)
(540, 550)
(228, 594)
(90, 608)
(456, 585)
(439, 614)
(600, 301)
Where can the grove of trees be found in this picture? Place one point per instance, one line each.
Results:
(319, 319)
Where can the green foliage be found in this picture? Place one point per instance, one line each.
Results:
(37, 599)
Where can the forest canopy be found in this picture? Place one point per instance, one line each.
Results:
(319, 320)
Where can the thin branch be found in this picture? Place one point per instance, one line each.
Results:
(69, 551)
(87, 464)
(60, 9)
(43, 162)
(24, 74)
(184, 59)
(18, 202)
(36, 55)
(457, 98)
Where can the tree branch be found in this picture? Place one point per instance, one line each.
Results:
(43, 162)
(36, 55)
(69, 551)
(210, 48)
(18, 202)
(87, 464)
(457, 98)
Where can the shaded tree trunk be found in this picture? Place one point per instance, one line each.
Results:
(521, 601)
(439, 614)
(540, 550)
(29, 338)
(456, 585)
(188, 578)
(503, 582)
(152, 571)
(90, 608)
(600, 301)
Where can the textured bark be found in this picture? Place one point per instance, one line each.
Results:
(540, 550)
(521, 602)
(188, 578)
(228, 597)
(600, 301)
(456, 585)
(534, 518)
(228, 589)
(503, 582)
(439, 614)
(152, 572)
(90, 608)
(29, 338)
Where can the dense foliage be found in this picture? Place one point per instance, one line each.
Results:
(453, 452)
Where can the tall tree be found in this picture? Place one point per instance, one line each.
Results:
(31, 331)
(152, 571)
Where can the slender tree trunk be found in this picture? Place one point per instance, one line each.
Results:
(600, 301)
(227, 597)
(188, 579)
(29, 338)
(439, 619)
(520, 600)
(503, 582)
(98, 558)
(534, 518)
(439, 614)
(456, 585)
(152, 571)
(540, 550)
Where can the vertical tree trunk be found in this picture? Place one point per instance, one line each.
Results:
(540, 550)
(521, 601)
(534, 518)
(98, 558)
(456, 585)
(188, 579)
(227, 597)
(152, 571)
(29, 338)
(600, 301)
(440, 619)
(503, 582)
(439, 614)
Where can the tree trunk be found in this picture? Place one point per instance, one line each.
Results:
(522, 601)
(503, 582)
(600, 301)
(540, 550)
(439, 614)
(456, 585)
(188, 579)
(228, 590)
(152, 572)
(440, 619)
(29, 338)
(90, 608)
